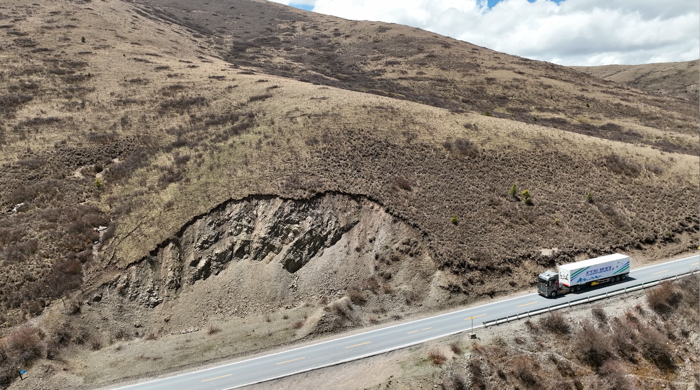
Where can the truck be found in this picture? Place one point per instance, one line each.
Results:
(575, 276)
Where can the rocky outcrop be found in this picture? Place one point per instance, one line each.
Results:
(273, 251)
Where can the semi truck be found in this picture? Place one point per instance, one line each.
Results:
(575, 276)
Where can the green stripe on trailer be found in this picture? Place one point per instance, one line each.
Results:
(575, 274)
(623, 269)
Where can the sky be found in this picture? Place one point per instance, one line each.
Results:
(566, 32)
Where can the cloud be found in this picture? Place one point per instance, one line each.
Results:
(573, 32)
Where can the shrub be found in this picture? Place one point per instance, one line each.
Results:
(95, 343)
(524, 369)
(656, 348)
(454, 220)
(477, 376)
(437, 356)
(23, 345)
(513, 193)
(589, 197)
(664, 298)
(403, 183)
(298, 325)
(620, 165)
(455, 348)
(555, 322)
(527, 198)
(466, 147)
(456, 381)
(593, 345)
(599, 314)
(257, 98)
(616, 376)
(487, 113)
(213, 329)
(356, 296)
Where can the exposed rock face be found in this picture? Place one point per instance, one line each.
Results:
(269, 251)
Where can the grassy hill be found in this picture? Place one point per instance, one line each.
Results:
(131, 129)
(672, 78)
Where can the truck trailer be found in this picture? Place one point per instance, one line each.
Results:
(574, 276)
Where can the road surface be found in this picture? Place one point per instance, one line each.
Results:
(387, 339)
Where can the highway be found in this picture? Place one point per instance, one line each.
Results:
(390, 338)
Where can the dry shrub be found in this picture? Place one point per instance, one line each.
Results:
(373, 319)
(356, 295)
(298, 325)
(524, 369)
(95, 343)
(623, 339)
(616, 376)
(151, 336)
(23, 345)
(213, 329)
(455, 348)
(466, 147)
(437, 356)
(656, 349)
(599, 314)
(664, 298)
(621, 165)
(403, 183)
(343, 308)
(592, 345)
(555, 322)
(477, 375)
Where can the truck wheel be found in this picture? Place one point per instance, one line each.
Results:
(553, 294)
(577, 288)
(617, 278)
(624, 276)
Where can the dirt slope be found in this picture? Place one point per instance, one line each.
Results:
(673, 78)
(125, 126)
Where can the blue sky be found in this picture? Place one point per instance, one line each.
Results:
(567, 32)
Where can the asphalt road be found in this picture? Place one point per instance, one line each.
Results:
(387, 339)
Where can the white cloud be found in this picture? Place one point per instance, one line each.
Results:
(575, 32)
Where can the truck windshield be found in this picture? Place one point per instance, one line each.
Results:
(541, 280)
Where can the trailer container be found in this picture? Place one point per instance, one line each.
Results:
(574, 276)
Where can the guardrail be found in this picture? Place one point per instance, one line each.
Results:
(581, 301)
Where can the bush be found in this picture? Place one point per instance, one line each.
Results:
(524, 369)
(23, 345)
(589, 197)
(663, 298)
(477, 376)
(356, 296)
(298, 325)
(555, 322)
(513, 193)
(599, 314)
(437, 356)
(466, 147)
(455, 348)
(454, 220)
(403, 183)
(656, 349)
(616, 376)
(527, 198)
(593, 346)
(213, 329)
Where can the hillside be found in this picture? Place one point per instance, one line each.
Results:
(672, 78)
(166, 168)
